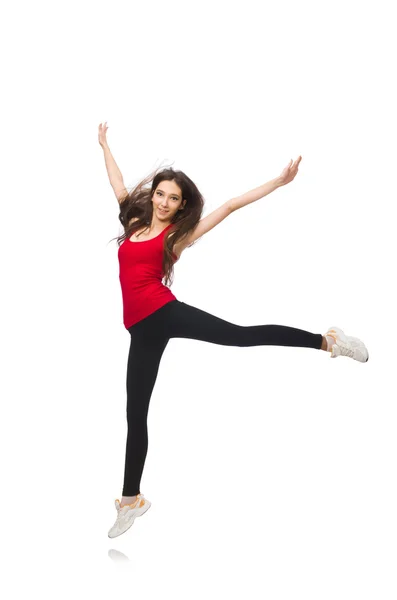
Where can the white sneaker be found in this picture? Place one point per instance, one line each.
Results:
(347, 345)
(126, 515)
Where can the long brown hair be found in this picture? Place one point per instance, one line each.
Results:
(137, 203)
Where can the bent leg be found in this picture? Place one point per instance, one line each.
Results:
(143, 364)
(185, 321)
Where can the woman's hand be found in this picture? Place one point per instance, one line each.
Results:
(102, 134)
(289, 172)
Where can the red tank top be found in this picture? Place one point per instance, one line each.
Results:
(141, 275)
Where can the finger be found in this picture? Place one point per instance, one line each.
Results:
(296, 163)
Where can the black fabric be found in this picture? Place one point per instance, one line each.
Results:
(149, 338)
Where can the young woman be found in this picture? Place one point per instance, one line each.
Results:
(159, 224)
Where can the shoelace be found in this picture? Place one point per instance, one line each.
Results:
(345, 350)
(122, 514)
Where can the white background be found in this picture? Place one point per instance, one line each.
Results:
(271, 470)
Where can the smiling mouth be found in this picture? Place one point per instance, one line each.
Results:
(163, 211)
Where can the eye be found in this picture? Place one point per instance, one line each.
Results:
(174, 197)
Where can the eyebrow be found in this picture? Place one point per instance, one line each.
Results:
(158, 189)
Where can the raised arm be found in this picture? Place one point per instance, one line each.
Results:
(218, 215)
(115, 176)
(287, 175)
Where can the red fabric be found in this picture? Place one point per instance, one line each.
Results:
(141, 274)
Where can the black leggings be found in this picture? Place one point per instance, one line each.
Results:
(149, 338)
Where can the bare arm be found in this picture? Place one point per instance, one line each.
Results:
(286, 176)
(115, 176)
(218, 215)
(255, 194)
(114, 173)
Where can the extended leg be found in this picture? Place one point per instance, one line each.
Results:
(186, 321)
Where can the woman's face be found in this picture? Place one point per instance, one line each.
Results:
(167, 197)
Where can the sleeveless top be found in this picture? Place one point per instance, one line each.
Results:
(141, 274)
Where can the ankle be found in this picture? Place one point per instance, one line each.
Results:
(127, 500)
(328, 342)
